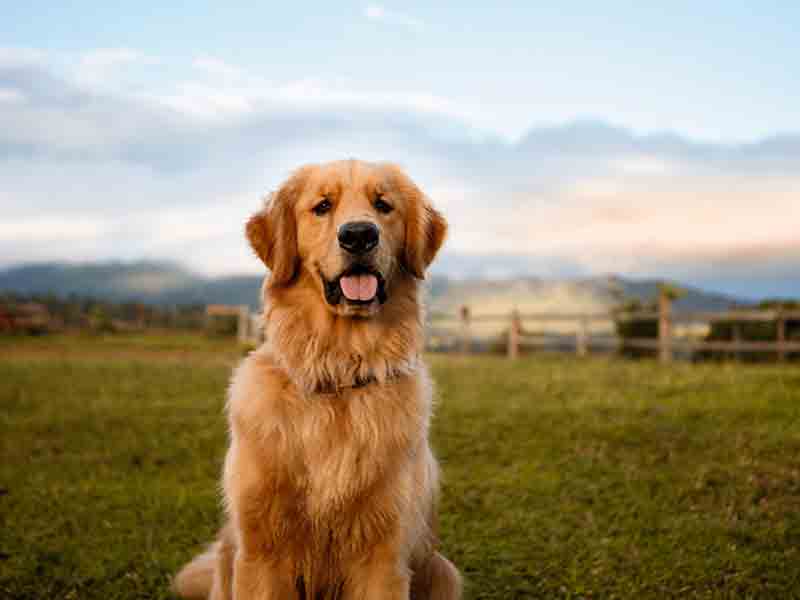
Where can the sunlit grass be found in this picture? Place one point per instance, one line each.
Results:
(562, 477)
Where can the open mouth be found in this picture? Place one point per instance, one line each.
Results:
(359, 285)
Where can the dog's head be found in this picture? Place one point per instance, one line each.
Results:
(353, 228)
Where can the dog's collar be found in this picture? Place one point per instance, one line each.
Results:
(327, 388)
(331, 388)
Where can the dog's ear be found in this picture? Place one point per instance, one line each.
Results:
(426, 228)
(272, 232)
(425, 234)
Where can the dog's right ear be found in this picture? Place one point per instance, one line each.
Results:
(272, 232)
(426, 228)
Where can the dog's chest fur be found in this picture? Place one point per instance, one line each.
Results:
(357, 481)
(347, 461)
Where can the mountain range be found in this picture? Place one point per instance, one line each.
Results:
(168, 283)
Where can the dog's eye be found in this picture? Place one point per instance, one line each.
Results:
(382, 206)
(321, 208)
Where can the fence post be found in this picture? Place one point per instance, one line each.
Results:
(664, 328)
(242, 328)
(736, 333)
(781, 325)
(514, 334)
(465, 338)
(582, 337)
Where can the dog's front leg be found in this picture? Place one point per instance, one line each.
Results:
(258, 507)
(255, 578)
(381, 576)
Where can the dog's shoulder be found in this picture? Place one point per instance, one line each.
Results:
(259, 392)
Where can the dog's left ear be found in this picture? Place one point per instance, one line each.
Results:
(426, 228)
(272, 232)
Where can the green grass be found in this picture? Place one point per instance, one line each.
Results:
(563, 478)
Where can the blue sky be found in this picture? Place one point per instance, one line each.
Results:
(574, 139)
(716, 70)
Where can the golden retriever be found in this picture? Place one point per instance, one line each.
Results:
(329, 481)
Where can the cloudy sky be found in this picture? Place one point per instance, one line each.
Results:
(573, 140)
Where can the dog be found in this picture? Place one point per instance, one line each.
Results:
(329, 482)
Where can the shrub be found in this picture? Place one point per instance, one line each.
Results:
(754, 331)
(640, 328)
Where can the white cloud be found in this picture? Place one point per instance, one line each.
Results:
(11, 95)
(51, 228)
(218, 67)
(205, 102)
(111, 57)
(12, 56)
(174, 172)
(378, 13)
(644, 165)
(97, 67)
(611, 224)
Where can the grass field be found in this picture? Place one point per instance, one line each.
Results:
(563, 478)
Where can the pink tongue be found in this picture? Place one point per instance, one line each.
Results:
(359, 287)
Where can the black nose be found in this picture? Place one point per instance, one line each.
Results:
(358, 237)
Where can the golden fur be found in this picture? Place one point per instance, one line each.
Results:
(329, 481)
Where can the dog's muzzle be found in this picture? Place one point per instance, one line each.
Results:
(358, 285)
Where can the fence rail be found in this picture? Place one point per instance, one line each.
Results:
(248, 325)
(667, 344)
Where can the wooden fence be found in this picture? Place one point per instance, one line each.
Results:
(248, 326)
(666, 345)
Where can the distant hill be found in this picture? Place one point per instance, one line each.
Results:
(169, 283)
(146, 281)
(532, 295)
